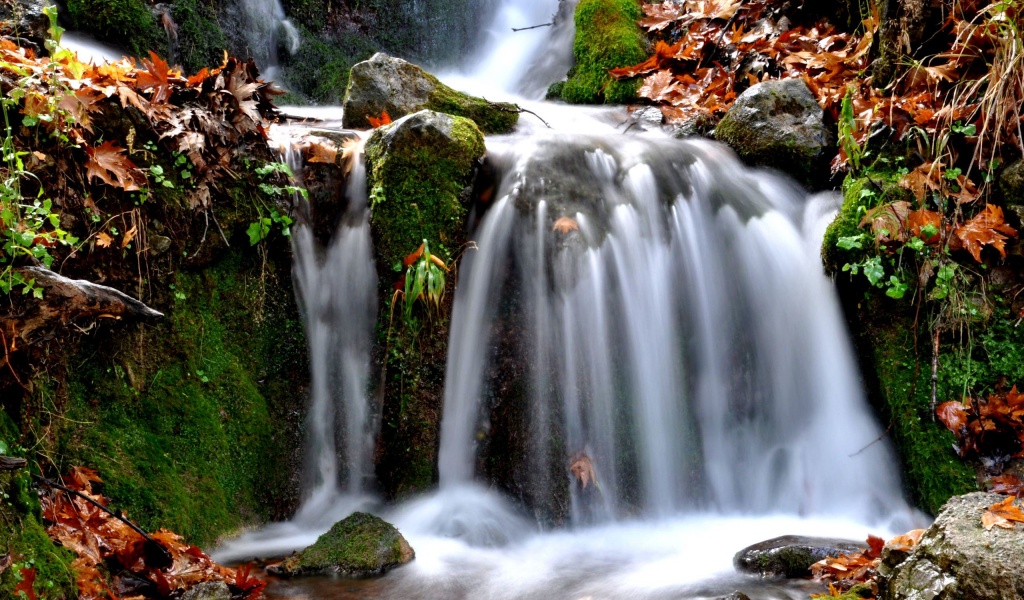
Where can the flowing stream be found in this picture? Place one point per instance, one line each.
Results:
(681, 347)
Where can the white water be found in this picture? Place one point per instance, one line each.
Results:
(684, 339)
(266, 26)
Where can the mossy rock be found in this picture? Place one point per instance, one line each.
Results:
(791, 556)
(607, 37)
(361, 545)
(419, 169)
(126, 23)
(859, 195)
(779, 124)
(400, 88)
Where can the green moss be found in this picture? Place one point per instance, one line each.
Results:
(357, 546)
(318, 71)
(607, 37)
(859, 195)
(125, 23)
(416, 190)
(201, 41)
(490, 117)
(187, 421)
(931, 467)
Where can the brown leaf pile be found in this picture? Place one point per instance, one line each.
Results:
(114, 561)
(990, 429)
(847, 570)
(206, 117)
(712, 50)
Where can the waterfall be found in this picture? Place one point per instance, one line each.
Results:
(336, 289)
(680, 325)
(265, 27)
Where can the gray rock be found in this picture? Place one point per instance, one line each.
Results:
(790, 555)
(1011, 183)
(361, 545)
(779, 124)
(957, 559)
(158, 244)
(24, 20)
(384, 83)
(209, 590)
(648, 118)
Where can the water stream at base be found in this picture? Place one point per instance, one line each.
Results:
(676, 332)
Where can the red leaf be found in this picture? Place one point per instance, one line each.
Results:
(385, 119)
(28, 578)
(953, 416)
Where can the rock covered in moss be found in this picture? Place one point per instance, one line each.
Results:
(385, 83)
(790, 555)
(779, 124)
(1011, 183)
(361, 545)
(607, 37)
(419, 169)
(957, 559)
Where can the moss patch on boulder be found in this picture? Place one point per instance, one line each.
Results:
(400, 88)
(418, 171)
(361, 545)
(607, 36)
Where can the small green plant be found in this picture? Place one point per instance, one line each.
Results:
(424, 281)
(855, 152)
(260, 228)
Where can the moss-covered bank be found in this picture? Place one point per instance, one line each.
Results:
(894, 348)
(607, 36)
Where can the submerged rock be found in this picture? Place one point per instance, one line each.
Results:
(385, 83)
(791, 555)
(779, 124)
(957, 559)
(361, 545)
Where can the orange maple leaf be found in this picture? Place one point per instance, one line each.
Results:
(987, 228)
(385, 119)
(1002, 514)
(157, 75)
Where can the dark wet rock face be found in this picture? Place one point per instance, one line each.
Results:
(361, 545)
(957, 559)
(778, 124)
(790, 555)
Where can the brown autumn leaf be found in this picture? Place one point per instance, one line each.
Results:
(952, 415)
(660, 86)
(129, 236)
(322, 152)
(1006, 484)
(583, 469)
(919, 219)
(565, 225)
(905, 542)
(660, 16)
(1002, 514)
(109, 163)
(888, 221)
(922, 180)
(103, 240)
(413, 256)
(987, 228)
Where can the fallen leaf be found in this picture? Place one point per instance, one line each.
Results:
(26, 585)
(1002, 514)
(565, 225)
(129, 236)
(385, 119)
(987, 228)
(109, 163)
(103, 240)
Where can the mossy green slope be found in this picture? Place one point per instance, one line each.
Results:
(607, 37)
(126, 23)
(192, 423)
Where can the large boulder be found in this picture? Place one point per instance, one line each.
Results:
(385, 83)
(957, 559)
(419, 169)
(779, 124)
(791, 555)
(361, 545)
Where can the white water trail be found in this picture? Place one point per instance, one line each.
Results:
(336, 288)
(265, 27)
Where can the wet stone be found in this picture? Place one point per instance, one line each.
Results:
(790, 556)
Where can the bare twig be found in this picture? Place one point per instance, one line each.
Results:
(534, 26)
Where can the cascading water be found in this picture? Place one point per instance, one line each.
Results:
(265, 27)
(678, 344)
(336, 288)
